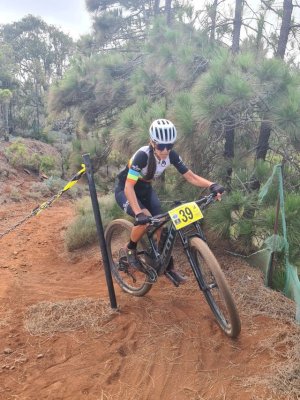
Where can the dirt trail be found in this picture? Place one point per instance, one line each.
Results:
(165, 345)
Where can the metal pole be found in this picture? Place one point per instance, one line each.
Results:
(100, 231)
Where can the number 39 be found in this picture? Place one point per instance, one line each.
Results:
(186, 214)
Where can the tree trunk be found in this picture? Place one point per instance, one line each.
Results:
(168, 11)
(263, 140)
(285, 28)
(261, 152)
(229, 142)
(229, 149)
(237, 23)
(6, 124)
(37, 108)
(156, 7)
(213, 17)
(260, 31)
(11, 117)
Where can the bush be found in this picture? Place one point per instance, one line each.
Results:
(39, 190)
(229, 220)
(47, 164)
(19, 156)
(15, 195)
(82, 230)
(55, 184)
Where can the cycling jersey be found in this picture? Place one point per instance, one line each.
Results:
(136, 170)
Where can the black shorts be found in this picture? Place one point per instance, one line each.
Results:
(146, 197)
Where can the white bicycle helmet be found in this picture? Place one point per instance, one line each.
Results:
(162, 131)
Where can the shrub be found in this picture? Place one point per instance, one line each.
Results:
(55, 184)
(16, 153)
(39, 190)
(47, 164)
(82, 230)
(15, 195)
(19, 156)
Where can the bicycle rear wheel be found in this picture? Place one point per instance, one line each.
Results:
(117, 236)
(216, 291)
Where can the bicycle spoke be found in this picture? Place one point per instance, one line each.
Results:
(131, 281)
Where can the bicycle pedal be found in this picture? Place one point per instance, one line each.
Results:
(122, 264)
(121, 268)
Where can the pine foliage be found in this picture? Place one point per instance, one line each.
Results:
(160, 70)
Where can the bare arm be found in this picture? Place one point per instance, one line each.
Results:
(196, 180)
(131, 197)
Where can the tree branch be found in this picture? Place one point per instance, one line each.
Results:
(270, 8)
(250, 8)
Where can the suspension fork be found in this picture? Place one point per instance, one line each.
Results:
(187, 249)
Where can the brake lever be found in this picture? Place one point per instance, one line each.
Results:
(154, 221)
(209, 199)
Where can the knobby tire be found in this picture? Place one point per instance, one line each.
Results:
(218, 295)
(117, 236)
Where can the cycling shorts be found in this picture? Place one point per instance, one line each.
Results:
(146, 197)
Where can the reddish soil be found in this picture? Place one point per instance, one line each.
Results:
(165, 345)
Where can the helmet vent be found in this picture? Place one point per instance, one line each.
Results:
(163, 131)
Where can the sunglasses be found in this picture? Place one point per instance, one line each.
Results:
(162, 146)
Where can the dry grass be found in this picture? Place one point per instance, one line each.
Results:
(286, 375)
(47, 318)
(282, 378)
(253, 298)
(126, 392)
(5, 317)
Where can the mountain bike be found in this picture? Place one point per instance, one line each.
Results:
(183, 222)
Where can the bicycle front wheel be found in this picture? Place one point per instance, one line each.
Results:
(117, 236)
(216, 289)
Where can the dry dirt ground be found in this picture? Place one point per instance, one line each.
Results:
(59, 339)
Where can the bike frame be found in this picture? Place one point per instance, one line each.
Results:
(161, 260)
(208, 276)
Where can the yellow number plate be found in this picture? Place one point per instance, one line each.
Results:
(185, 215)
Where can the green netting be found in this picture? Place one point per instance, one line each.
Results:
(261, 259)
(276, 243)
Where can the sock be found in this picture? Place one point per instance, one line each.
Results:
(132, 245)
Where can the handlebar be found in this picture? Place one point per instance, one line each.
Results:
(203, 203)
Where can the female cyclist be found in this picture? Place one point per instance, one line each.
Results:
(134, 192)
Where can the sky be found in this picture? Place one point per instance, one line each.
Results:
(68, 15)
(71, 15)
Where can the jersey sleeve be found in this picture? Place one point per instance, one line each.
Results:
(176, 160)
(135, 166)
